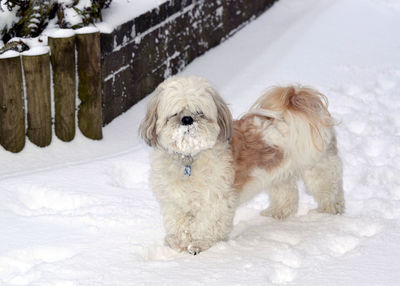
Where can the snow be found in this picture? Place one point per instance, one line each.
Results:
(36, 51)
(126, 11)
(9, 54)
(87, 30)
(82, 213)
(8, 18)
(60, 33)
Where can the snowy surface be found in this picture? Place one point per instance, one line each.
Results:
(126, 11)
(9, 54)
(36, 51)
(60, 33)
(82, 213)
(7, 18)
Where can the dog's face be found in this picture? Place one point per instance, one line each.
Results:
(186, 116)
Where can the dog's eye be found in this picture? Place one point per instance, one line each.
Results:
(199, 113)
(171, 116)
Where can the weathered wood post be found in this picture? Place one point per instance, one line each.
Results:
(89, 87)
(63, 64)
(12, 114)
(37, 80)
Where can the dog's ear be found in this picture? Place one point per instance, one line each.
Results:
(147, 129)
(224, 118)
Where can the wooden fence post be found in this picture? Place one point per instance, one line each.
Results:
(63, 64)
(12, 115)
(89, 87)
(37, 79)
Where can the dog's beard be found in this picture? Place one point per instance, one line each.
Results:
(188, 140)
(192, 139)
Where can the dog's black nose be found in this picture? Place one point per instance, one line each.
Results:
(187, 120)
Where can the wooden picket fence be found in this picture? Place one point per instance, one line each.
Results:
(26, 84)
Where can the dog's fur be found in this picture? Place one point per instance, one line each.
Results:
(287, 134)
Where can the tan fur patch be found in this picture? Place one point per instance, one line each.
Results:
(304, 102)
(249, 150)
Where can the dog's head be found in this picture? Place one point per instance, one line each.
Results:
(185, 116)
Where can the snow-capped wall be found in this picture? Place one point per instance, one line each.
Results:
(141, 53)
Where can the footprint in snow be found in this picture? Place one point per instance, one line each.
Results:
(128, 174)
(24, 266)
(282, 274)
(287, 245)
(157, 252)
(42, 200)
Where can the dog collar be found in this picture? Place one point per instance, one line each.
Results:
(187, 161)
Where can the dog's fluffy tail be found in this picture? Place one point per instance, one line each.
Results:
(299, 107)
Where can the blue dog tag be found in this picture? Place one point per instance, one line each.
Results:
(188, 170)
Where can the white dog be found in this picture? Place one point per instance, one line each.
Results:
(204, 165)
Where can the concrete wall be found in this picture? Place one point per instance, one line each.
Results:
(141, 53)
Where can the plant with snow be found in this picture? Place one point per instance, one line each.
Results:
(80, 13)
(28, 18)
(25, 18)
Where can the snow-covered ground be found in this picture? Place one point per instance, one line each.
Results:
(82, 213)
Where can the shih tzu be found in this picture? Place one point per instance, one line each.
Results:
(204, 164)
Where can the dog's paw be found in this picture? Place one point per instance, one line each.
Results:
(276, 213)
(193, 250)
(332, 208)
(340, 207)
(175, 243)
(200, 245)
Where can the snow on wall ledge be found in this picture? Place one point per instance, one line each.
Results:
(141, 53)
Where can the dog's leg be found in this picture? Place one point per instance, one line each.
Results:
(284, 200)
(211, 224)
(324, 182)
(177, 225)
(208, 231)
